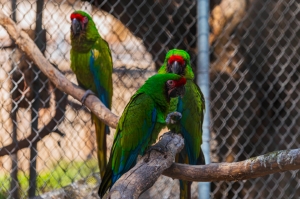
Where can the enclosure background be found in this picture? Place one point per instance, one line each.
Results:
(254, 88)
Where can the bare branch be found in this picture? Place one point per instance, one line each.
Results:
(144, 174)
(259, 166)
(58, 79)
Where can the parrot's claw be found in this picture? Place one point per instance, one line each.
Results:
(173, 118)
(86, 94)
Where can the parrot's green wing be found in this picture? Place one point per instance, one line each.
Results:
(101, 69)
(139, 120)
(192, 107)
(137, 129)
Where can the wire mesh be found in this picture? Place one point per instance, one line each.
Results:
(254, 79)
(255, 100)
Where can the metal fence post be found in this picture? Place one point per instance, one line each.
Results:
(36, 104)
(203, 82)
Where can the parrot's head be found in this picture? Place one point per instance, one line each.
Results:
(82, 23)
(175, 88)
(79, 21)
(168, 85)
(162, 87)
(178, 62)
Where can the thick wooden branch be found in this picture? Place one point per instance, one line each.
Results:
(144, 174)
(259, 166)
(31, 50)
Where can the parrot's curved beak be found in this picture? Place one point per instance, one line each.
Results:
(76, 27)
(175, 68)
(177, 91)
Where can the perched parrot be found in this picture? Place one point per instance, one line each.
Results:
(92, 64)
(191, 107)
(142, 119)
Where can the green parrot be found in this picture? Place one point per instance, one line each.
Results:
(91, 62)
(142, 119)
(191, 107)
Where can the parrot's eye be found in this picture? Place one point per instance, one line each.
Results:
(170, 83)
(85, 20)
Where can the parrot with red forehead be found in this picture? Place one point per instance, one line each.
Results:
(140, 123)
(91, 62)
(191, 107)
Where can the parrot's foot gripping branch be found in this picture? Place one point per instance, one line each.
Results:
(86, 94)
(173, 118)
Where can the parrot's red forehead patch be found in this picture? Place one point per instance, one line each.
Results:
(177, 58)
(77, 16)
(180, 82)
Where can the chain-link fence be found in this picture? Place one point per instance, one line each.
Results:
(255, 47)
(254, 95)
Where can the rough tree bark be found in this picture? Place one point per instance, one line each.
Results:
(138, 179)
(274, 162)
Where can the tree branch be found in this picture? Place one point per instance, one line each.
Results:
(58, 79)
(144, 174)
(259, 166)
